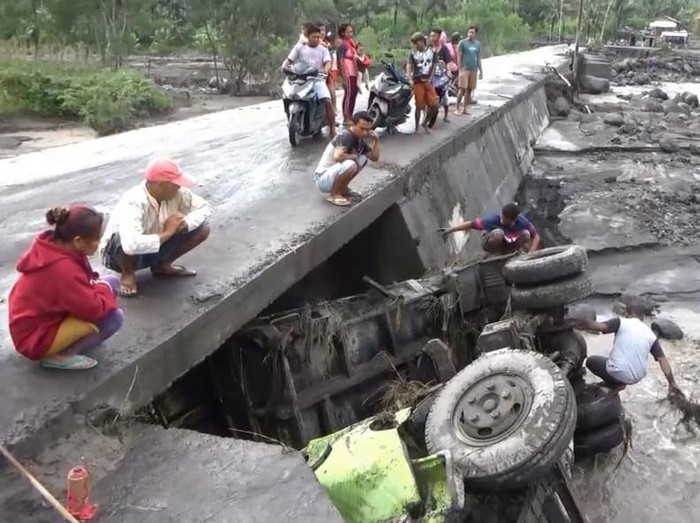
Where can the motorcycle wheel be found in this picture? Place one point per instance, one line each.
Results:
(375, 114)
(292, 126)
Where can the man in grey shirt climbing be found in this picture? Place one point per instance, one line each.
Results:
(627, 363)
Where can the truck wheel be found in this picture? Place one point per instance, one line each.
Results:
(598, 441)
(552, 294)
(546, 265)
(506, 418)
(597, 406)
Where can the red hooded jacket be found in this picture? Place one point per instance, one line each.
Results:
(54, 283)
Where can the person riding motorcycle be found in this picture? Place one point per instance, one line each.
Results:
(317, 56)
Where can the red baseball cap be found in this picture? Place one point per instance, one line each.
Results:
(164, 170)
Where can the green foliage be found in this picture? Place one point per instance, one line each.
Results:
(106, 101)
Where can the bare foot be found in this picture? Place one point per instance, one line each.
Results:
(128, 287)
(175, 271)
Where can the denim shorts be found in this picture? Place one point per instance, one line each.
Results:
(325, 180)
(113, 251)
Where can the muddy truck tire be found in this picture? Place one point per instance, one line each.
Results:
(546, 265)
(597, 406)
(507, 418)
(599, 441)
(550, 295)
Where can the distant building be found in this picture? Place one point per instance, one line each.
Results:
(668, 30)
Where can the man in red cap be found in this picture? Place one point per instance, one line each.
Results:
(153, 225)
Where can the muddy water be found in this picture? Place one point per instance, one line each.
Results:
(659, 478)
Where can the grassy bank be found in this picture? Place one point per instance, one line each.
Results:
(105, 100)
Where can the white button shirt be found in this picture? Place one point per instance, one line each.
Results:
(138, 218)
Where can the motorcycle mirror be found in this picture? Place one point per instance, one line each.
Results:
(389, 55)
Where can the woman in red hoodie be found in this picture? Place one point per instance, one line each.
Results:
(59, 307)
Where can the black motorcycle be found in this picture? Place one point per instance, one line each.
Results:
(389, 97)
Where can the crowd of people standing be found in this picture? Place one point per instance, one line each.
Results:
(347, 65)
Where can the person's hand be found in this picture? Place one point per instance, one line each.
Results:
(674, 390)
(444, 231)
(481, 76)
(173, 223)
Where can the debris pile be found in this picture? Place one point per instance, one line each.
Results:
(644, 71)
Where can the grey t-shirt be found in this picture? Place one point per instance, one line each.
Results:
(314, 57)
(348, 142)
(633, 343)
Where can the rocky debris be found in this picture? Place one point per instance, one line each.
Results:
(668, 144)
(667, 329)
(581, 311)
(642, 71)
(560, 107)
(653, 106)
(223, 85)
(657, 93)
(595, 85)
(646, 304)
(615, 119)
(694, 149)
(690, 99)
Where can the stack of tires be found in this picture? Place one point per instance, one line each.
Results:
(548, 278)
(600, 423)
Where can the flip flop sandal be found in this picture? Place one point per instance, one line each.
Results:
(77, 362)
(354, 194)
(340, 202)
(180, 272)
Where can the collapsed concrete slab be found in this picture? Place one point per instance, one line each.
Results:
(178, 475)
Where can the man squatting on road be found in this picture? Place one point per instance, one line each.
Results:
(633, 342)
(504, 233)
(154, 224)
(343, 159)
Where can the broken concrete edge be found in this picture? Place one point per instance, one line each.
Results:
(205, 331)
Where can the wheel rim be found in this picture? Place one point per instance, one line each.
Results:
(492, 409)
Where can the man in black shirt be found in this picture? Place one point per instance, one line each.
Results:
(344, 157)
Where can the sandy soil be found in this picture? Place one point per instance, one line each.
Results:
(26, 135)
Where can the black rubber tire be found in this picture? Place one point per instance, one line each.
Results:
(292, 130)
(546, 265)
(375, 114)
(551, 295)
(535, 445)
(597, 407)
(599, 441)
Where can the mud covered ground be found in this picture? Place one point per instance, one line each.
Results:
(184, 77)
(624, 181)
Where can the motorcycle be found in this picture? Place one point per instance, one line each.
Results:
(441, 82)
(389, 97)
(305, 113)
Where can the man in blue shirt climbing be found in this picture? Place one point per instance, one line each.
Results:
(504, 233)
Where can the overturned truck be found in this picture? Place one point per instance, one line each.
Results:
(309, 372)
(480, 361)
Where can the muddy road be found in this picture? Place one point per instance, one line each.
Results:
(624, 181)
